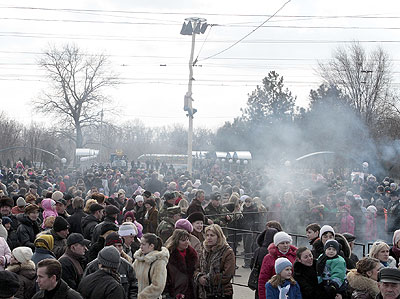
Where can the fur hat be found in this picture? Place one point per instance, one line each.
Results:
(31, 208)
(150, 202)
(113, 238)
(282, 263)
(282, 237)
(332, 243)
(111, 210)
(146, 194)
(6, 201)
(325, 229)
(60, 224)
(9, 284)
(139, 198)
(107, 227)
(196, 216)
(184, 224)
(127, 229)
(57, 195)
(22, 254)
(109, 257)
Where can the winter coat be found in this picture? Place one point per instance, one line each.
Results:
(195, 206)
(101, 284)
(88, 224)
(155, 264)
(306, 277)
(150, 224)
(334, 271)
(75, 221)
(71, 273)
(217, 214)
(250, 217)
(27, 231)
(347, 223)
(273, 293)
(393, 210)
(63, 291)
(98, 227)
(60, 244)
(47, 210)
(371, 229)
(363, 287)
(5, 254)
(180, 273)
(139, 213)
(165, 229)
(26, 275)
(395, 253)
(14, 220)
(217, 264)
(268, 265)
(126, 274)
(391, 263)
(41, 254)
(12, 239)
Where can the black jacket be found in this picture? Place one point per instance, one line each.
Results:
(98, 227)
(75, 221)
(263, 241)
(70, 273)
(27, 231)
(88, 224)
(101, 284)
(306, 277)
(127, 277)
(62, 291)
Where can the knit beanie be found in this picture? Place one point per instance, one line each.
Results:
(60, 224)
(129, 214)
(184, 224)
(113, 238)
(109, 257)
(127, 229)
(45, 241)
(139, 198)
(396, 237)
(282, 263)
(332, 243)
(282, 237)
(21, 202)
(22, 254)
(325, 229)
(6, 220)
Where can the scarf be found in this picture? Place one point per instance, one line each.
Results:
(396, 251)
(283, 291)
(75, 259)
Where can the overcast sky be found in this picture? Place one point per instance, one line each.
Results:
(144, 45)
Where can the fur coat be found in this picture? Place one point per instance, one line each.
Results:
(26, 275)
(180, 273)
(155, 262)
(363, 287)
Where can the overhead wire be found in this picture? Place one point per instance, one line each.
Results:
(251, 32)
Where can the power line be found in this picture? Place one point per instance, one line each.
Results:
(374, 16)
(251, 32)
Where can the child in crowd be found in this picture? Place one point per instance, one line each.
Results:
(331, 269)
(282, 284)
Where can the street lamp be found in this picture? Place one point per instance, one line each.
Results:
(191, 26)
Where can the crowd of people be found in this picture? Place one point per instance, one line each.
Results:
(109, 233)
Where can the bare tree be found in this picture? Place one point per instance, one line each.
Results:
(365, 78)
(75, 97)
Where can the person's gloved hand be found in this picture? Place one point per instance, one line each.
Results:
(330, 290)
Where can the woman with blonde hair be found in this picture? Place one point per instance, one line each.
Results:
(181, 265)
(184, 205)
(89, 202)
(216, 265)
(380, 251)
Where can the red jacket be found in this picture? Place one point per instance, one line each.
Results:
(268, 266)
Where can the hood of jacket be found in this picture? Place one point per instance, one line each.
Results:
(27, 269)
(345, 246)
(362, 283)
(273, 251)
(152, 256)
(46, 204)
(266, 237)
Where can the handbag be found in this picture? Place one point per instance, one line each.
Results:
(252, 283)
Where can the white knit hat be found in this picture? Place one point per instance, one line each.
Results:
(139, 198)
(127, 229)
(22, 254)
(372, 209)
(282, 263)
(325, 229)
(282, 237)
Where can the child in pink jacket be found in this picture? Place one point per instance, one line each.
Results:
(49, 209)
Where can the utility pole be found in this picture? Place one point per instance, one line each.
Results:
(191, 26)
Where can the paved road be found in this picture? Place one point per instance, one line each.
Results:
(242, 275)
